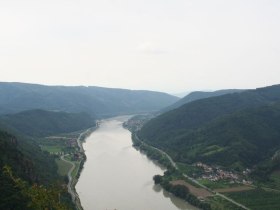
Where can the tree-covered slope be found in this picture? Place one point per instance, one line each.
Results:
(193, 96)
(198, 113)
(231, 130)
(246, 137)
(28, 164)
(16, 97)
(40, 123)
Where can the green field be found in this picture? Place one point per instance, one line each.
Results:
(218, 184)
(257, 199)
(75, 171)
(190, 169)
(218, 203)
(51, 149)
(63, 167)
(273, 182)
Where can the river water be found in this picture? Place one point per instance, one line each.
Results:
(116, 176)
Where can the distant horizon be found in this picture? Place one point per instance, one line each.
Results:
(178, 93)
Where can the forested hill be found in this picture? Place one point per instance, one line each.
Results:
(193, 96)
(39, 123)
(28, 165)
(234, 130)
(16, 97)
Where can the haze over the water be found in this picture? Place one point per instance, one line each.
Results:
(170, 46)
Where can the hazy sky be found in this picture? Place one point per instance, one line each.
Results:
(172, 46)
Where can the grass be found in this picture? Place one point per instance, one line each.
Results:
(274, 181)
(275, 177)
(51, 149)
(212, 150)
(63, 167)
(218, 203)
(75, 171)
(257, 199)
(190, 169)
(221, 184)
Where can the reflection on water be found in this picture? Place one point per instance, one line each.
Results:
(116, 176)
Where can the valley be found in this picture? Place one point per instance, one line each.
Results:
(207, 154)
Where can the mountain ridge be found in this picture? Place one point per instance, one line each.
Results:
(180, 131)
(97, 101)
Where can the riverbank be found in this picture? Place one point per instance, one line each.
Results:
(70, 157)
(109, 151)
(73, 177)
(196, 193)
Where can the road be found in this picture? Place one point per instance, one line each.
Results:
(192, 179)
(82, 134)
(69, 185)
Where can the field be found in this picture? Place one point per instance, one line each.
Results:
(218, 203)
(75, 171)
(51, 149)
(273, 183)
(257, 199)
(63, 167)
(190, 170)
(221, 184)
(234, 189)
(198, 192)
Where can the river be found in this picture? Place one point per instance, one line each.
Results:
(116, 176)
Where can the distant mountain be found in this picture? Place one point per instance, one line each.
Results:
(180, 95)
(39, 123)
(234, 130)
(98, 101)
(193, 96)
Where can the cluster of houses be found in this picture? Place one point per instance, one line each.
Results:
(134, 124)
(72, 143)
(215, 174)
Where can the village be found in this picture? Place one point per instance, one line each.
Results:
(215, 173)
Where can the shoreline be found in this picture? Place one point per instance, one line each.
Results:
(135, 139)
(73, 180)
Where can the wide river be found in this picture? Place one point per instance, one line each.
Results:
(116, 176)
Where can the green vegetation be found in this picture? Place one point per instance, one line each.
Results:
(63, 167)
(236, 130)
(36, 169)
(96, 101)
(51, 149)
(273, 181)
(194, 96)
(76, 170)
(151, 152)
(218, 184)
(40, 123)
(35, 196)
(180, 191)
(190, 170)
(219, 203)
(257, 199)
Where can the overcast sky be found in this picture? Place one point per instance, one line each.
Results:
(171, 46)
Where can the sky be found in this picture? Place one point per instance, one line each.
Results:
(171, 46)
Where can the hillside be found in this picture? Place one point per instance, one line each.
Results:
(233, 130)
(41, 123)
(193, 96)
(16, 97)
(30, 165)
